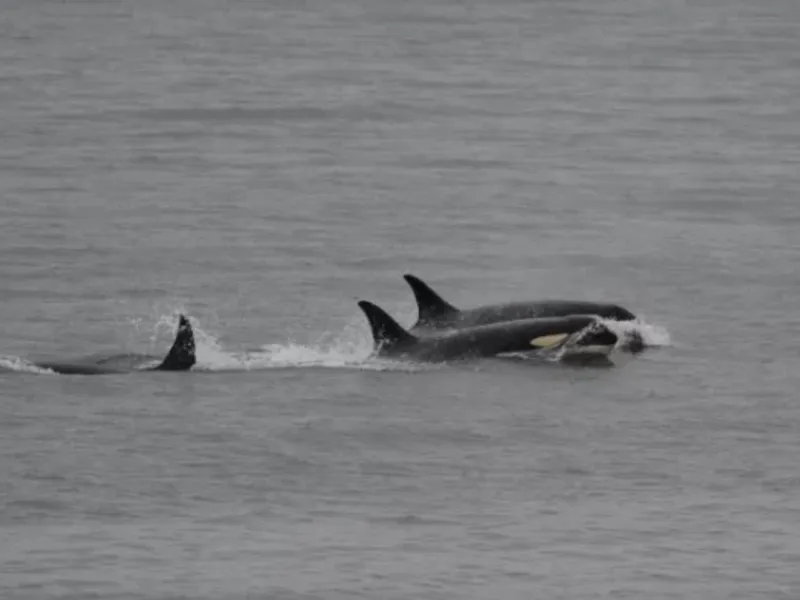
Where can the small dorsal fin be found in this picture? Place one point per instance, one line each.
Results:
(386, 332)
(430, 305)
(181, 357)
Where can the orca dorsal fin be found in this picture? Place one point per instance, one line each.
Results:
(386, 332)
(181, 357)
(430, 305)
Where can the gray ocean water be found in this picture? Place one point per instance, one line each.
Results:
(262, 165)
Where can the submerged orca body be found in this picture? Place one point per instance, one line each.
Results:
(582, 335)
(181, 357)
(436, 314)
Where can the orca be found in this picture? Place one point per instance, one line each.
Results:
(435, 314)
(577, 335)
(181, 357)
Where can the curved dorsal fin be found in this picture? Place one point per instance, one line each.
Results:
(181, 357)
(386, 332)
(431, 306)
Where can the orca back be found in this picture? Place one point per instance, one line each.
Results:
(437, 314)
(542, 309)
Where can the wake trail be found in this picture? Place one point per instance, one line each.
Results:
(350, 348)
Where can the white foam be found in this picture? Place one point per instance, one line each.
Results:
(19, 365)
(652, 335)
(292, 355)
(349, 349)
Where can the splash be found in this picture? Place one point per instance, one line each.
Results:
(349, 349)
(654, 336)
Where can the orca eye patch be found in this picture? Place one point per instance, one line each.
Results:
(548, 341)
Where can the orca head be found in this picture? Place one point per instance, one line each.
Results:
(594, 340)
(597, 335)
(633, 342)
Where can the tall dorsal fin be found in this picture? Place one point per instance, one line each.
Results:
(181, 357)
(386, 332)
(431, 306)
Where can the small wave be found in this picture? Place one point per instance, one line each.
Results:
(349, 350)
